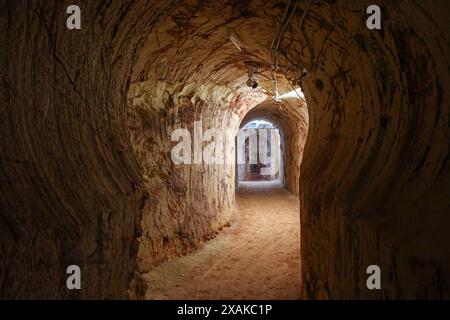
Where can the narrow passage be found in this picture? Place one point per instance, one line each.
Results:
(257, 258)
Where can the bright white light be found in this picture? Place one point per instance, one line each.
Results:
(297, 93)
(258, 124)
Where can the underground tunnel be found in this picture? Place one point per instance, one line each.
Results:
(254, 169)
(88, 117)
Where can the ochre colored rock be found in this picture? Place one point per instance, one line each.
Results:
(85, 169)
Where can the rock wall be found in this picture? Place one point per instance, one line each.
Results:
(375, 181)
(70, 191)
(186, 204)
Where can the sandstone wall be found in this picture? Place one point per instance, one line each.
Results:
(70, 192)
(186, 204)
(375, 176)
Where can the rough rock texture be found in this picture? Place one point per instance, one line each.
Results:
(70, 192)
(375, 184)
(186, 204)
(82, 181)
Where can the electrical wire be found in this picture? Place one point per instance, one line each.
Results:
(274, 54)
(274, 49)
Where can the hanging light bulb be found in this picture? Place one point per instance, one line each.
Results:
(251, 70)
(252, 83)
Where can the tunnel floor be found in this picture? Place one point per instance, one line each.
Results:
(257, 258)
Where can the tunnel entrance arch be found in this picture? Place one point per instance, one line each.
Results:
(259, 152)
(289, 117)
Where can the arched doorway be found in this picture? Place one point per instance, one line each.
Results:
(288, 121)
(259, 152)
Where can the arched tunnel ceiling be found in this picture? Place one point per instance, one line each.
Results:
(288, 115)
(191, 43)
(375, 175)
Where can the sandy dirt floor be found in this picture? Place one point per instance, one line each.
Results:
(257, 258)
